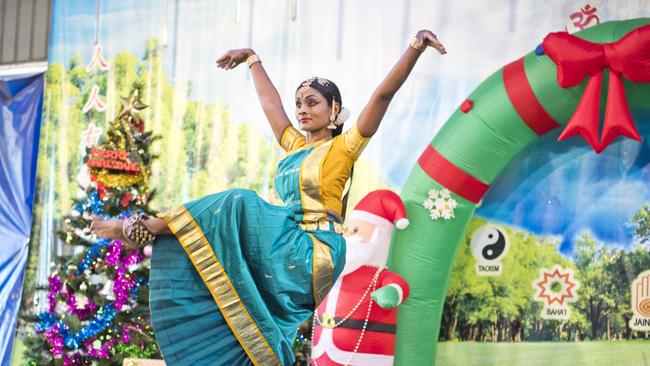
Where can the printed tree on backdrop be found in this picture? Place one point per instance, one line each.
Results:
(641, 222)
(98, 311)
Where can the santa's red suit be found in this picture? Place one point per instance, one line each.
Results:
(335, 339)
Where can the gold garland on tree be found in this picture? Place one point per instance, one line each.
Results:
(120, 138)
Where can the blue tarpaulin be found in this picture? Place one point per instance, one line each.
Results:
(20, 123)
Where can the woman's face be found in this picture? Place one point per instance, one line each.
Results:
(312, 110)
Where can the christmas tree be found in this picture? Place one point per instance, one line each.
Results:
(98, 311)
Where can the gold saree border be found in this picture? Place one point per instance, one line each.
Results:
(322, 270)
(310, 184)
(198, 249)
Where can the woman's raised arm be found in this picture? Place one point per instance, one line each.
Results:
(374, 111)
(266, 92)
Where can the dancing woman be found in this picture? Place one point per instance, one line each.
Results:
(238, 275)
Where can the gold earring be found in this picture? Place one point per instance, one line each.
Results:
(332, 126)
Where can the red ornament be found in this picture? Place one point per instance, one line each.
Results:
(101, 190)
(126, 198)
(576, 59)
(138, 124)
(466, 106)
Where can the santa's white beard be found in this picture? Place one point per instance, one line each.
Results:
(372, 253)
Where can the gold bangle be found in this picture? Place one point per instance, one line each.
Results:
(137, 232)
(252, 59)
(416, 44)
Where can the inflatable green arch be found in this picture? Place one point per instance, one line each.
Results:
(508, 111)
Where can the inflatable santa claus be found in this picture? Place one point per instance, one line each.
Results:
(356, 323)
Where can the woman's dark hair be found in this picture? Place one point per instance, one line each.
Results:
(329, 91)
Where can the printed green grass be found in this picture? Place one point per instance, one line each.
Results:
(601, 353)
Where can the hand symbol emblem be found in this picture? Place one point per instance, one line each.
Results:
(641, 296)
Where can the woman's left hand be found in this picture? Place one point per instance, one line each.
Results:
(427, 38)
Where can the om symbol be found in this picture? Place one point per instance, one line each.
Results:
(585, 17)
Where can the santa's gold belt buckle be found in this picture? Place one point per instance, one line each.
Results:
(328, 321)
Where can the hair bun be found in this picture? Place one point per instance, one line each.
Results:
(343, 116)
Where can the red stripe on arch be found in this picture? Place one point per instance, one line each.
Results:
(524, 99)
(450, 176)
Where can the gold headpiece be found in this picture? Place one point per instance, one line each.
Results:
(321, 81)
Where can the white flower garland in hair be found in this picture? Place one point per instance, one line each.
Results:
(343, 116)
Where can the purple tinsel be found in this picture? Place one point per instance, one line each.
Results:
(126, 329)
(103, 352)
(123, 280)
(55, 287)
(123, 286)
(132, 258)
(96, 319)
(72, 360)
(55, 340)
(113, 253)
(81, 312)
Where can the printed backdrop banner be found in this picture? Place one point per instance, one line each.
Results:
(20, 122)
(215, 136)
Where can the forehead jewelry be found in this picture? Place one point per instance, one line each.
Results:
(307, 84)
(321, 81)
(303, 90)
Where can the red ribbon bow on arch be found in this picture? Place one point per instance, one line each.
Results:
(576, 59)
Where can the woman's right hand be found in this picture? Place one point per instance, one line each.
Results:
(109, 229)
(232, 58)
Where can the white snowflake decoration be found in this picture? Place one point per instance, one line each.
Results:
(440, 204)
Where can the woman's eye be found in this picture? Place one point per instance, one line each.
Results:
(311, 104)
(298, 105)
(355, 229)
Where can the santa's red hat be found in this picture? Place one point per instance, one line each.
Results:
(383, 208)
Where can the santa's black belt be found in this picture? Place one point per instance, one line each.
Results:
(371, 327)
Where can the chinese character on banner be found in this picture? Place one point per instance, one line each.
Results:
(90, 136)
(583, 18)
(556, 288)
(641, 303)
(98, 60)
(94, 101)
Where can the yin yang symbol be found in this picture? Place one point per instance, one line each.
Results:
(489, 243)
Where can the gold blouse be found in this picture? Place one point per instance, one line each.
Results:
(325, 170)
